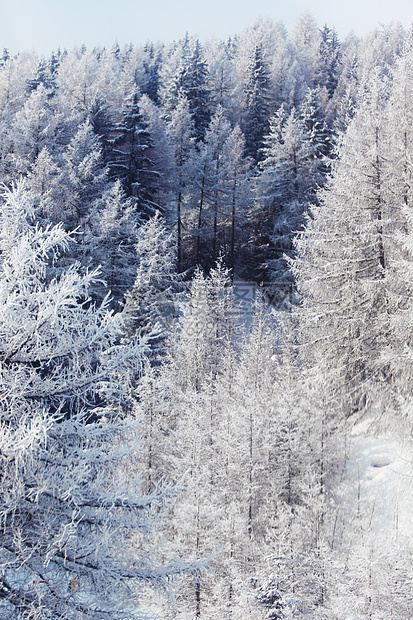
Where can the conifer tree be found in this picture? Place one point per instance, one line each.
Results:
(83, 178)
(341, 272)
(182, 137)
(34, 128)
(330, 60)
(257, 105)
(286, 185)
(109, 243)
(185, 74)
(130, 159)
(149, 303)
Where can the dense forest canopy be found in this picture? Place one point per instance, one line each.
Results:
(229, 140)
(205, 265)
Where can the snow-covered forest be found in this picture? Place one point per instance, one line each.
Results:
(206, 305)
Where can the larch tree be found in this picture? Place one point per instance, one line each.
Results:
(330, 60)
(35, 126)
(237, 190)
(394, 363)
(13, 95)
(221, 78)
(151, 64)
(343, 260)
(149, 301)
(109, 243)
(218, 200)
(205, 199)
(286, 185)
(182, 422)
(45, 75)
(194, 85)
(82, 180)
(160, 152)
(185, 74)
(180, 131)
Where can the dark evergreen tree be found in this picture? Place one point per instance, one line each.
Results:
(102, 125)
(330, 59)
(194, 86)
(258, 108)
(151, 66)
(129, 159)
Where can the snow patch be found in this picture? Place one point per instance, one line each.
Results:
(380, 474)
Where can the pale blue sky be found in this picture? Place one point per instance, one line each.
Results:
(44, 25)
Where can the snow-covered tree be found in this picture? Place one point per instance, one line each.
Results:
(394, 363)
(286, 185)
(217, 201)
(83, 178)
(149, 302)
(330, 60)
(237, 196)
(257, 105)
(109, 242)
(35, 127)
(185, 74)
(130, 158)
(74, 524)
(42, 182)
(221, 78)
(181, 420)
(343, 259)
(181, 136)
(160, 150)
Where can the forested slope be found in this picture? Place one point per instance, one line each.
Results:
(206, 256)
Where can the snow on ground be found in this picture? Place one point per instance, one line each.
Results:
(380, 469)
(373, 545)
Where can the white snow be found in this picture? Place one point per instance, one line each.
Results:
(380, 474)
